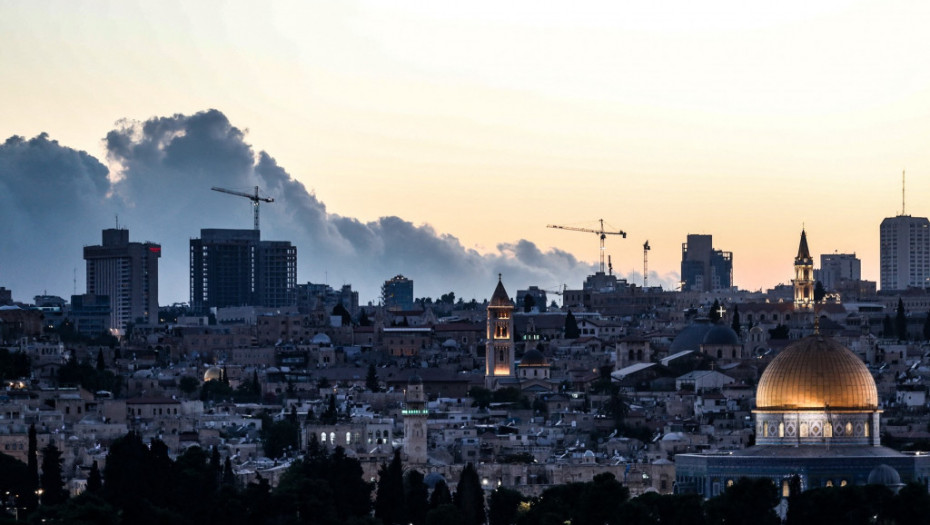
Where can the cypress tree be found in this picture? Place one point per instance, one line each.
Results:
(735, 324)
(440, 495)
(94, 481)
(469, 496)
(30, 499)
(571, 326)
(53, 491)
(389, 500)
(900, 321)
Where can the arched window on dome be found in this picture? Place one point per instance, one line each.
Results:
(842, 482)
(829, 483)
(849, 428)
(803, 429)
(785, 488)
(781, 431)
(828, 430)
(865, 430)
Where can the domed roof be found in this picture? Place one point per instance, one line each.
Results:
(816, 373)
(721, 334)
(691, 337)
(415, 379)
(533, 357)
(884, 475)
(500, 297)
(214, 373)
(321, 339)
(432, 479)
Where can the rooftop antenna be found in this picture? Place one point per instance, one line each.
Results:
(610, 265)
(117, 221)
(903, 209)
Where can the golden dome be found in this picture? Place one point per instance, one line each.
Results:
(816, 373)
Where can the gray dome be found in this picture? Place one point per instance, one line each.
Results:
(321, 339)
(533, 357)
(721, 334)
(432, 479)
(691, 337)
(884, 475)
(415, 380)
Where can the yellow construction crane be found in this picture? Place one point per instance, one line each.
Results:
(601, 233)
(254, 198)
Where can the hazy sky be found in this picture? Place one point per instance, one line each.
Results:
(485, 121)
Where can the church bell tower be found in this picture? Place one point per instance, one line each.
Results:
(499, 352)
(803, 278)
(415, 415)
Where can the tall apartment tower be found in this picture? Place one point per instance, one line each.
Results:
(237, 268)
(499, 352)
(127, 272)
(904, 252)
(397, 293)
(803, 277)
(704, 269)
(415, 414)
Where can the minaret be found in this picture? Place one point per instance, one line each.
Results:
(499, 352)
(415, 414)
(803, 278)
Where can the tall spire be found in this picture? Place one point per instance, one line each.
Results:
(803, 251)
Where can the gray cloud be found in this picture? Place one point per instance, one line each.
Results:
(163, 169)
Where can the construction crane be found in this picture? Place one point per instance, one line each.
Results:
(646, 249)
(601, 233)
(254, 198)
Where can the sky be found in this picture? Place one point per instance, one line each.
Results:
(438, 139)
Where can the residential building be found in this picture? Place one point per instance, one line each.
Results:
(237, 268)
(704, 269)
(397, 293)
(835, 268)
(127, 272)
(904, 253)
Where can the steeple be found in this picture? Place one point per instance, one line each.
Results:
(803, 252)
(803, 277)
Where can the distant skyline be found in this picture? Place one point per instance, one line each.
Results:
(484, 121)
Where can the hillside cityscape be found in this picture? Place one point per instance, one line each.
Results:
(263, 400)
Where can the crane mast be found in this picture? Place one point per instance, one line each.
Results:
(601, 233)
(646, 249)
(254, 198)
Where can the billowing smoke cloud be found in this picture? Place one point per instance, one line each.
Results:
(162, 172)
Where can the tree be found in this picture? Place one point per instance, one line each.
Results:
(715, 311)
(94, 481)
(819, 292)
(101, 365)
(571, 326)
(927, 327)
(469, 496)
(53, 488)
(188, 385)
(371, 379)
(416, 497)
(503, 506)
(887, 327)
(749, 500)
(440, 495)
(330, 415)
(389, 500)
(735, 323)
(481, 397)
(900, 321)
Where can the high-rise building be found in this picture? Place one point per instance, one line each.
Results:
(836, 268)
(127, 272)
(397, 293)
(704, 269)
(237, 268)
(904, 253)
